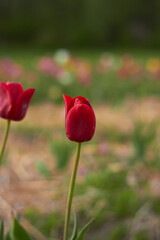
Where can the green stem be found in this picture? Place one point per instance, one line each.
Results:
(4, 141)
(70, 195)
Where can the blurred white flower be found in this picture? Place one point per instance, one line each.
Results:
(66, 79)
(62, 56)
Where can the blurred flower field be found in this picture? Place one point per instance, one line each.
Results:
(100, 75)
(118, 179)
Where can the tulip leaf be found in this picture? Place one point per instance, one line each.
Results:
(2, 230)
(8, 236)
(19, 232)
(75, 228)
(84, 229)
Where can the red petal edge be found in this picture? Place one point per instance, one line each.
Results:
(22, 104)
(67, 101)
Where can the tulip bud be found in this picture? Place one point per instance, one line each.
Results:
(14, 101)
(79, 119)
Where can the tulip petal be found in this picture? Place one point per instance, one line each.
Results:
(81, 100)
(67, 101)
(5, 105)
(80, 123)
(14, 90)
(22, 104)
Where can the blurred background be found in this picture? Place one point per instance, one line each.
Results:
(109, 52)
(83, 23)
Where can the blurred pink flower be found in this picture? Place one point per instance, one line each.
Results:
(49, 66)
(10, 70)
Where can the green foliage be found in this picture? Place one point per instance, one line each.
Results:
(16, 232)
(120, 198)
(107, 180)
(156, 205)
(19, 232)
(62, 151)
(81, 234)
(142, 235)
(8, 236)
(75, 228)
(120, 232)
(45, 223)
(43, 169)
(143, 136)
(83, 230)
(2, 230)
(125, 203)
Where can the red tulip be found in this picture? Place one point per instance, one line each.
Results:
(79, 119)
(14, 100)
